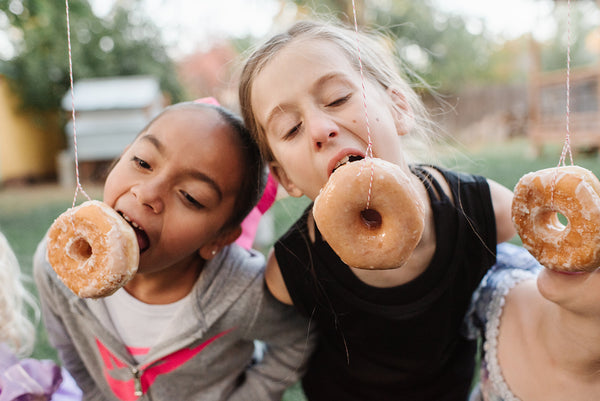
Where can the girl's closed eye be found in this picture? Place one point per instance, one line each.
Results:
(191, 200)
(141, 163)
(340, 101)
(290, 133)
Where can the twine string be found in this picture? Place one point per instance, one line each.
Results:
(369, 151)
(78, 187)
(566, 149)
(567, 145)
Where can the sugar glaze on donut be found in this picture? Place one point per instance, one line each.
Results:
(572, 191)
(382, 237)
(92, 249)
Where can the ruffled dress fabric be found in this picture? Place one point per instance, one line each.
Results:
(34, 380)
(514, 265)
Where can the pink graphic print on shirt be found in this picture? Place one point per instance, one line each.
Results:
(119, 376)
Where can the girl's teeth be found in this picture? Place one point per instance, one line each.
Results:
(133, 223)
(342, 162)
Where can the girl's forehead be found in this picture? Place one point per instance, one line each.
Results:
(182, 129)
(306, 59)
(188, 122)
(330, 50)
(303, 64)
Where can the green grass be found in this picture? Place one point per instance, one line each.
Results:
(27, 212)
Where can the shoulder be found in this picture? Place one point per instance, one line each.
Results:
(513, 265)
(50, 287)
(42, 270)
(235, 259)
(515, 257)
(453, 176)
(454, 184)
(275, 281)
(294, 249)
(233, 273)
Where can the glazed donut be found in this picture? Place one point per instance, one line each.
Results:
(385, 235)
(92, 249)
(573, 192)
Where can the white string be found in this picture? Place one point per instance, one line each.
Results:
(567, 144)
(369, 151)
(79, 187)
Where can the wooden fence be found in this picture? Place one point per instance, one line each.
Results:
(548, 107)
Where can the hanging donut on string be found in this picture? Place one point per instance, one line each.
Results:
(539, 197)
(571, 191)
(369, 211)
(92, 249)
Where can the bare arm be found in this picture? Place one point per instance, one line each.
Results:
(502, 201)
(275, 281)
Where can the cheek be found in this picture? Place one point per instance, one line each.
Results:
(109, 193)
(115, 183)
(184, 234)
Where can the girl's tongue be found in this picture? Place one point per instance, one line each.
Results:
(142, 238)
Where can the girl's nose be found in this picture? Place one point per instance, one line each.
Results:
(322, 129)
(148, 194)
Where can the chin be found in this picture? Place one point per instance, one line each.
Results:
(558, 286)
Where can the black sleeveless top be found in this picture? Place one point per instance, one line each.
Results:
(404, 342)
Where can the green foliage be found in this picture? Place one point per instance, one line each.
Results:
(434, 46)
(123, 43)
(448, 53)
(572, 29)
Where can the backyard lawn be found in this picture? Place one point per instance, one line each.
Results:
(27, 212)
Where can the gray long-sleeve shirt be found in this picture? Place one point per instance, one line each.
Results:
(209, 352)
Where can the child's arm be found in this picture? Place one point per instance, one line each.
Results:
(502, 201)
(275, 281)
(289, 341)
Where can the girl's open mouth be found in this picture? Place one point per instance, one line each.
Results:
(345, 160)
(142, 237)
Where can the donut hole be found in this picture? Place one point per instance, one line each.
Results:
(562, 220)
(559, 222)
(552, 222)
(371, 218)
(80, 249)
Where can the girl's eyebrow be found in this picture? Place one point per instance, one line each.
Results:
(154, 141)
(274, 113)
(200, 176)
(196, 174)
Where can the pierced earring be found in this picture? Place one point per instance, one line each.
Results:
(214, 252)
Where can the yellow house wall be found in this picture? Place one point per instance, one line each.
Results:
(28, 143)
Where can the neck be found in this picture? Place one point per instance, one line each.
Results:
(168, 285)
(572, 341)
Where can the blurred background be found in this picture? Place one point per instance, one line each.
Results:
(497, 67)
(496, 75)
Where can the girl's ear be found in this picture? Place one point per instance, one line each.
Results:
(281, 176)
(403, 114)
(209, 250)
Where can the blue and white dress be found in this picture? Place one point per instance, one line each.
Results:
(514, 265)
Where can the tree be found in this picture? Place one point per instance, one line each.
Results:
(573, 26)
(433, 45)
(443, 49)
(124, 43)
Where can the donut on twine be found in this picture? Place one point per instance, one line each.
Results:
(539, 197)
(381, 237)
(92, 249)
